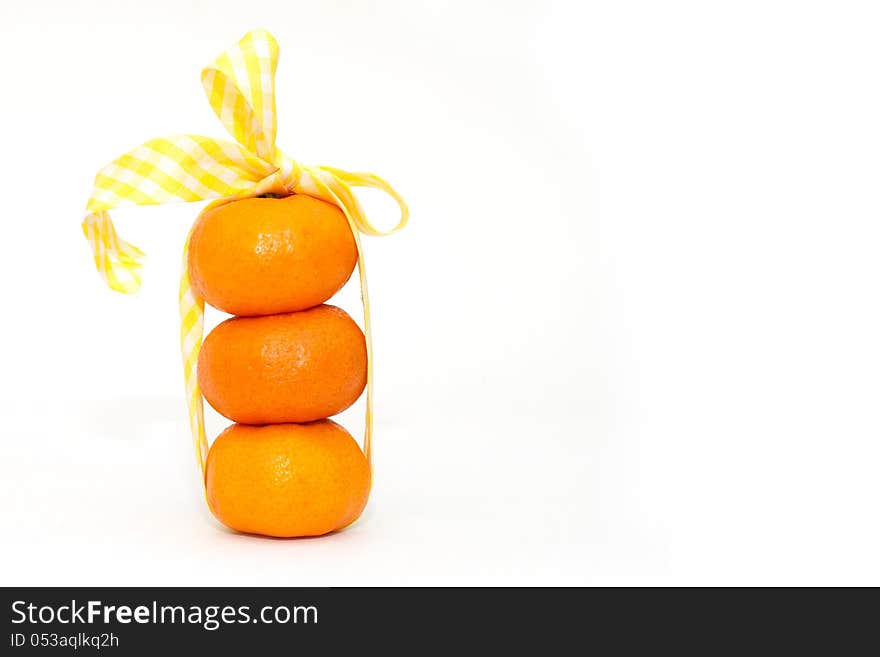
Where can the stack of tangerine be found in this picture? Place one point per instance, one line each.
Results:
(284, 364)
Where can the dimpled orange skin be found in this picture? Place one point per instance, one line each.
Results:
(261, 256)
(287, 480)
(295, 367)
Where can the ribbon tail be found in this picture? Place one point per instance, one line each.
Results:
(118, 262)
(185, 168)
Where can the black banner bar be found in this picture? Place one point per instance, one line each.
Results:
(134, 621)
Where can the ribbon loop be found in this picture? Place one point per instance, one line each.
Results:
(240, 86)
(324, 178)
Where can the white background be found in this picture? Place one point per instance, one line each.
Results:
(631, 335)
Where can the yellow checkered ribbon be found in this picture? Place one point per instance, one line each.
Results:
(240, 86)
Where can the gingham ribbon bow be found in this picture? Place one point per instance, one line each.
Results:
(240, 86)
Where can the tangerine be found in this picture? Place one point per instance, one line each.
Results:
(287, 480)
(262, 256)
(295, 367)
